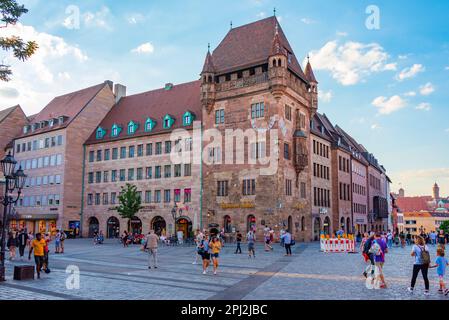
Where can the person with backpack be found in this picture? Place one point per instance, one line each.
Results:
(203, 251)
(379, 258)
(368, 255)
(238, 239)
(422, 261)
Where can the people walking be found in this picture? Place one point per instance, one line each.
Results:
(251, 240)
(22, 241)
(12, 245)
(62, 239)
(422, 260)
(379, 259)
(389, 239)
(57, 241)
(238, 239)
(151, 246)
(287, 237)
(45, 265)
(204, 252)
(441, 239)
(199, 237)
(267, 239)
(441, 263)
(38, 246)
(368, 255)
(125, 238)
(215, 247)
(433, 238)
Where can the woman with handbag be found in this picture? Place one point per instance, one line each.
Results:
(422, 261)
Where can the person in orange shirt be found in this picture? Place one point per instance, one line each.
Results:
(38, 245)
(215, 247)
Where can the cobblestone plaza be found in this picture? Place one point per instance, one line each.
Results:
(110, 271)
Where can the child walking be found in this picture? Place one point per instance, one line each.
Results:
(441, 263)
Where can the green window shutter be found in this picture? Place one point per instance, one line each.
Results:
(115, 132)
(132, 127)
(168, 122)
(188, 118)
(149, 125)
(101, 133)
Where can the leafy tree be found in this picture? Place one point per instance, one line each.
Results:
(10, 12)
(129, 202)
(444, 226)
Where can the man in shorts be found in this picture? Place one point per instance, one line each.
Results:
(38, 245)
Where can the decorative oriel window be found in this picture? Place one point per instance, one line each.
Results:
(100, 133)
(168, 121)
(188, 118)
(149, 125)
(115, 130)
(132, 127)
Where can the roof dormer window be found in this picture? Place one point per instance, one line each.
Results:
(115, 131)
(149, 125)
(25, 129)
(168, 121)
(51, 122)
(61, 120)
(100, 133)
(132, 127)
(188, 118)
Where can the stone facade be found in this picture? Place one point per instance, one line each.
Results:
(360, 186)
(102, 216)
(342, 189)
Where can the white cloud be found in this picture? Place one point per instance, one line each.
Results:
(261, 15)
(325, 96)
(426, 89)
(99, 19)
(447, 68)
(375, 126)
(391, 67)
(424, 106)
(145, 48)
(389, 105)
(402, 57)
(411, 72)
(410, 94)
(308, 21)
(351, 62)
(57, 67)
(447, 130)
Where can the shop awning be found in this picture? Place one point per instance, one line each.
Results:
(50, 216)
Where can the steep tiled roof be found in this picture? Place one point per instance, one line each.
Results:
(152, 104)
(6, 112)
(68, 105)
(353, 144)
(251, 45)
(417, 214)
(316, 128)
(413, 203)
(309, 73)
(208, 64)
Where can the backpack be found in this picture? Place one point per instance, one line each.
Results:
(63, 236)
(425, 255)
(367, 246)
(375, 249)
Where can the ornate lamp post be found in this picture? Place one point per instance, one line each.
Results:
(13, 181)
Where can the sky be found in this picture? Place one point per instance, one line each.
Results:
(382, 66)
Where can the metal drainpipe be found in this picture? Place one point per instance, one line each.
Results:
(82, 192)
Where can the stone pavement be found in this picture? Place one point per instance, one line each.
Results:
(110, 271)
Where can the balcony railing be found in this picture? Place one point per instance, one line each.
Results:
(243, 82)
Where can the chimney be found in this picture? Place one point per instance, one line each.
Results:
(119, 91)
(168, 86)
(109, 83)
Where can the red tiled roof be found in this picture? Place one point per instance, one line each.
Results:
(68, 105)
(6, 112)
(416, 214)
(309, 73)
(406, 204)
(155, 105)
(208, 64)
(251, 45)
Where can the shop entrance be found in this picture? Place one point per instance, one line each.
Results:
(94, 226)
(251, 223)
(327, 225)
(159, 225)
(316, 229)
(135, 225)
(184, 225)
(113, 227)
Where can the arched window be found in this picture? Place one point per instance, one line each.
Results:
(279, 63)
(227, 224)
(303, 224)
(274, 62)
(250, 223)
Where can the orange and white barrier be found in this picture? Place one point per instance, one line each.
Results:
(335, 245)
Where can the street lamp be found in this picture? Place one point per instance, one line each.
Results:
(13, 181)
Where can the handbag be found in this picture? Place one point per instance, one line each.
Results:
(292, 242)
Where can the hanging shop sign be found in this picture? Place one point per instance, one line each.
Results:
(242, 205)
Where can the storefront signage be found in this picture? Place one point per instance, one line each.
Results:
(323, 211)
(148, 209)
(299, 206)
(242, 205)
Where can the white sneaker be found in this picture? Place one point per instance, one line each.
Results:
(426, 293)
(194, 262)
(410, 289)
(215, 272)
(204, 272)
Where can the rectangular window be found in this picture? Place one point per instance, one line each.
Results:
(114, 153)
(187, 170)
(131, 151)
(98, 177)
(140, 150)
(53, 141)
(113, 175)
(99, 154)
(148, 172)
(157, 196)
(167, 146)
(303, 190)
(130, 174)
(158, 148)
(249, 187)
(107, 153)
(123, 153)
(286, 151)
(122, 174)
(57, 179)
(106, 176)
(167, 171)
(113, 197)
(97, 199)
(177, 196)
(59, 140)
(58, 159)
(219, 116)
(187, 195)
(90, 199)
(105, 198)
(90, 178)
(147, 196)
(139, 173)
(222, 188)
(177, 170)
(288, 187)
(288, 113)
(149, 150)
(257, 110)
(157, 172)
(167, 195)
(189, 144)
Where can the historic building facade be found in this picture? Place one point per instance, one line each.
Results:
(50, 150)
(258, 88)
(137, 144)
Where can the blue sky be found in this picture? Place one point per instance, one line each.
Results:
(387, 87)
